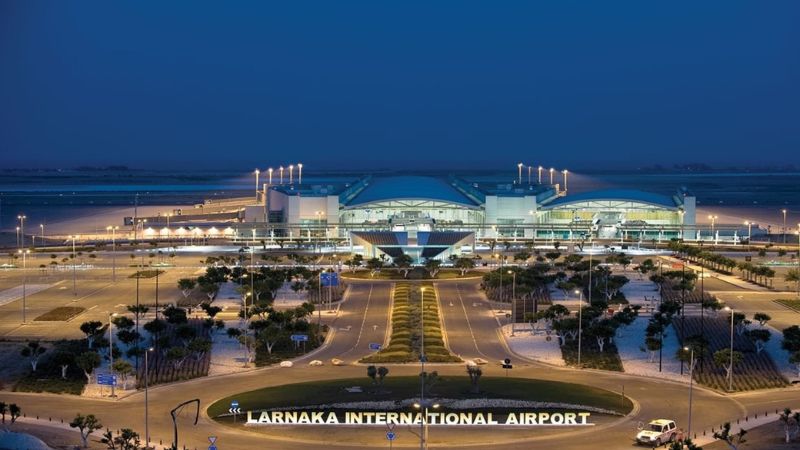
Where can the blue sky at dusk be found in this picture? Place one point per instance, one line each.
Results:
(398, 84)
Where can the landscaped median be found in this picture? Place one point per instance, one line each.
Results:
(408, 322)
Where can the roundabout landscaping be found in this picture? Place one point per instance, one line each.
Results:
(360, 411)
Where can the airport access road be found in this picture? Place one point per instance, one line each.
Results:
(656, 398)
(469, 321)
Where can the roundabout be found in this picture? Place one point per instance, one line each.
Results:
(358, 411)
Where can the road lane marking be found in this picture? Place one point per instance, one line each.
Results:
(469, 325)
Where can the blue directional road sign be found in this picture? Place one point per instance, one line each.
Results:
(299, 337)
(390, 435)
(106, 379)
(329, 279)
(374, 346)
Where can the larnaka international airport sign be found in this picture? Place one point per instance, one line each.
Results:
(525, 418)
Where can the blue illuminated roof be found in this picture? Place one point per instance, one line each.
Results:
(616, 195)
(380, 189)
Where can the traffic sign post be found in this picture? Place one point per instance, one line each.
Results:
(213, 441)
(329, 279)
(106, 379)
(507, 365)
(298, 338)
(390, 436)
(234, 409)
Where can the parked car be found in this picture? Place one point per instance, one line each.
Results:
(657, 432)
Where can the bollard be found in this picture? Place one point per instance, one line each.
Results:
(37, 417)
(49, 419)
(737, 421)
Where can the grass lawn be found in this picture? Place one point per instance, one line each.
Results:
(794, 304)
(401, 388)
(60, 313)
(416, 274)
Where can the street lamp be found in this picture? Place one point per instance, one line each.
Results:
(256, 172)
(529, 174)
(299, 173)
(280, 169)
(730, 356)
(565, 172)
(22, 218)
(113, 230)
(551, 175)
(519, 173)
(74, 256)
(291, 173)
(269, 172)
(146, 402)
(580, 321)
(18, 244)
(41, 225)
(513, 299)
(424, 406)
(540, 174)
(783, 211)
(798, 259)
(111, 352)
(24, 254)
(713, 220)
(749, 229)
(691, 381)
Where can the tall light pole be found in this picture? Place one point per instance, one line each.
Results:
(540, 174)
(783, 211)
(713, 220)
(691, 386)
(730, 356)
(74, 257)
(299, 173)
(256, 172)
(565, 172)
(519, 173)
(552, 170)
(113, 230)
(146, 402)
(24, 254)
(18, 244)
(269, 172)
(529, 174)
(798, 259)
(41, 225)
(111, 352)
(280, 170)
(580, 321)
(423, 435)
(291, 173)
(749, 230)
(513, 300)
(422, 442)
(22, 218)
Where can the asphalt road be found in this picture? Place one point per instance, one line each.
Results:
(471, 330)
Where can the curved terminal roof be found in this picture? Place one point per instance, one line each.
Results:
(625, 195)
(382, 189)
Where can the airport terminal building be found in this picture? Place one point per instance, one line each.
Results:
(429, 216)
